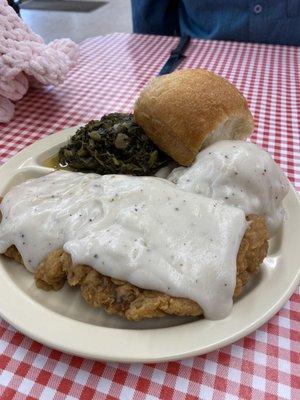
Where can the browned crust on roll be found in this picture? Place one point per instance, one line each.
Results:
(179, 111)
(133, 303)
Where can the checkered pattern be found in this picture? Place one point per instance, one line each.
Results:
(109, 75)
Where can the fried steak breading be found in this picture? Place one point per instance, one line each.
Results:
(133, 303)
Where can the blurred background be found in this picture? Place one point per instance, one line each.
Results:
(76, 19)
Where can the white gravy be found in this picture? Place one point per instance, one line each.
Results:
(239, 174)
(143, 230)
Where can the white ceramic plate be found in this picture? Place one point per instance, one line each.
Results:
(64, 321)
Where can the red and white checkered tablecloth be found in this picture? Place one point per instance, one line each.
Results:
(109, 75)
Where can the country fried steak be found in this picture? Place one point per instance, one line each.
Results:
(133, 303)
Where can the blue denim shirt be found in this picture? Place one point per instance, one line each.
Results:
(264, 21)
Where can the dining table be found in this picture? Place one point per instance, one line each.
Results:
(108, 76)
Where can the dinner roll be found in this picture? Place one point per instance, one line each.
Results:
(190, 109)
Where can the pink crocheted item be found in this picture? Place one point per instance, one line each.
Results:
(25, 58)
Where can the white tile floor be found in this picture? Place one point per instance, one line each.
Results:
(115, 16)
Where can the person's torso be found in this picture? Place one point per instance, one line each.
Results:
(266, 21)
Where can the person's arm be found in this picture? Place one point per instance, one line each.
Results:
(158, 17)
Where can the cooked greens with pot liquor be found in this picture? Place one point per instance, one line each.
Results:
(113, 145)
